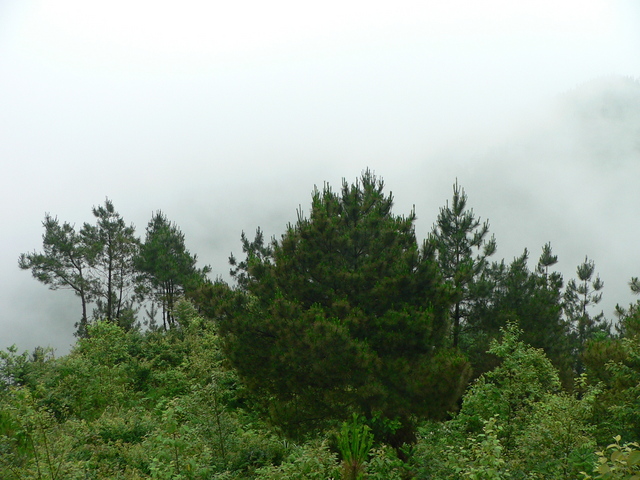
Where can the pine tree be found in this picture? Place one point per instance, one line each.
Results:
(533, 299)
(116, 246)
(256, 252)
(65, 263)
(547, 259)
(167, 268)
(579, 297)
(456, 235)
(344, 314)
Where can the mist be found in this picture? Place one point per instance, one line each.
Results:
(225, 119)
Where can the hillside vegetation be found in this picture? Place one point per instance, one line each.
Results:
(344, 349)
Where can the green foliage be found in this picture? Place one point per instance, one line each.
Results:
(167, 269)
(343, 317)
(100, 416)
(384, 464)
(96, 263)
(510, 391)
(65, 263)
(105, 264)
(32, 444)
(344, 314)
(13, 367)
(354, 442)
(114, 246)
(483, 459)
(95, 375)
(429, 457)
(533, 299)
(557, 441)
(616, 365)
(579, 297)
(456, 235)
(617, 462)
(514, 423)
(312, 461)
(443, 453)
(256, 251)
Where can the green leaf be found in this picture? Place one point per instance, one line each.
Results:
(603, 468)
(634, 457)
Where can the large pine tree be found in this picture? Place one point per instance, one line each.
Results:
(166, 267)
(64, 263)
(345, 313)
(116, 246)
(460, 244)
(533, 299)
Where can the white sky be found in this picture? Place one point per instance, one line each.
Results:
(225, 114)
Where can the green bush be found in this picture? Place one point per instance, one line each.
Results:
(617, 462)
(558, 440)
(312, 461)
(510, 391)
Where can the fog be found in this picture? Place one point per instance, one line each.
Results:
(226, 117)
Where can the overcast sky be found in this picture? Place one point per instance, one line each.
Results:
(225, 115)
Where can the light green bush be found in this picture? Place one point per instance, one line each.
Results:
(312, 461)
(509, 392)
(558, 440)
(617, 462)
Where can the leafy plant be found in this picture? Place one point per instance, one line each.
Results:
(312, 461)
(483, 458)
(354, 442)
(558, 440)
(384, 464)
(510, 391)
(37, 447)
(617, 462)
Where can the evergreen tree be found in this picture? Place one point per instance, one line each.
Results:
(456, 235)
(65, 263)
(579, 297)
(533, 300)
(547, 259)
(344, 314)
(628, 324)
(116, 246)
(256, 252)
(167, 269)
(613, 363)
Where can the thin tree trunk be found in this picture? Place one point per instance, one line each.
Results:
(456, 325)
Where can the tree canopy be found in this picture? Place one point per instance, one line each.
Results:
(344, 334)
(114, 246)
(65, 262)
(106, 264)
(459, 241)
(345, 313)
(166, 267)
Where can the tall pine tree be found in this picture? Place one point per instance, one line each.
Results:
(167, 268)
(345, 314)
(533, 299)
(65, 263)
(579, 297)
(459, 241)
(116, 246)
